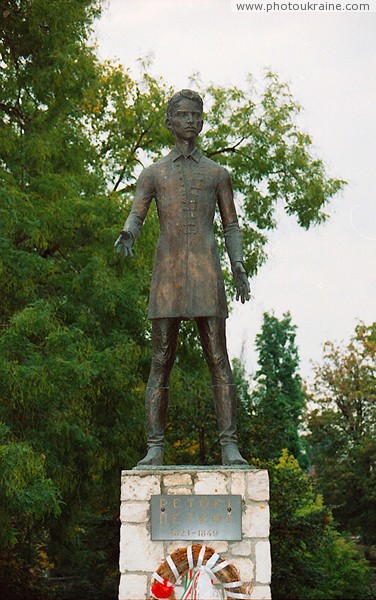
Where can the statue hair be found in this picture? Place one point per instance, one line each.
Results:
(184, 94)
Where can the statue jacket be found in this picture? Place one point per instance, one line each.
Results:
(187, 280)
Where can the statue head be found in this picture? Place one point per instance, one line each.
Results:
(184, 94)
(184, 114)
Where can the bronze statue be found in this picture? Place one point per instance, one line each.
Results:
(187, 280)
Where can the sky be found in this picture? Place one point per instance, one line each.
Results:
(326, 276)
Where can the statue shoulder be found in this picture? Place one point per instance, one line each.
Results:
(161, 161)
(221, 172)
(146, 173)
(154, 168)
(150, 175)
(146, 179)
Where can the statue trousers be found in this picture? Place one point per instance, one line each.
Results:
(212, 331)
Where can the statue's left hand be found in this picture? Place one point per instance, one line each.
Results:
(241, 282)
(124, 243)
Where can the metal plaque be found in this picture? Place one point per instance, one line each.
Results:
(217, 517)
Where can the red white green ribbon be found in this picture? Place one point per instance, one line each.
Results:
(200, 577)
(192, 578)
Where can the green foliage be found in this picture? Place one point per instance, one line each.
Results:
(254, 134)
(125, 122)
(26, 494)
(72, 314)
(298, 522)
(310, 559)
(343, 428)
(94, 570)
(47, 70)
(344, 574)
(276, 405)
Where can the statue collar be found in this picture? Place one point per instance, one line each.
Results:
(195, 154)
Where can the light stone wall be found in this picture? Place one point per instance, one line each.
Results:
(140, 556)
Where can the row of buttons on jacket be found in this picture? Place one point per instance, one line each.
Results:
(189, 198)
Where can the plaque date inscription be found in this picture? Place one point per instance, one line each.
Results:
(199, 517)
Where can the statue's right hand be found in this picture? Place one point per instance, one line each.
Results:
(124, 243)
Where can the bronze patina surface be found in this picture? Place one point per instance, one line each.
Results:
(187, 281)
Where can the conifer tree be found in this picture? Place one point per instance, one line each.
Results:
(278, 400)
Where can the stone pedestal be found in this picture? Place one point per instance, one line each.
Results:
(140, 556)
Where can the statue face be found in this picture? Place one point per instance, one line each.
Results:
(185, 122)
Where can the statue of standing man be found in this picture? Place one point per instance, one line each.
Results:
(187, 281)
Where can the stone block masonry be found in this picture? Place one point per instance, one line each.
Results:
(140, 556)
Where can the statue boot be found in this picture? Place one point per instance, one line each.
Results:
(156, 403)
(225, 408)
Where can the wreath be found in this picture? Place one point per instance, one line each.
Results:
(198, 568)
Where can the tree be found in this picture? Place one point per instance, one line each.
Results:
(277, 403)
(310, 559)
(72, 340)
(343, 428)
